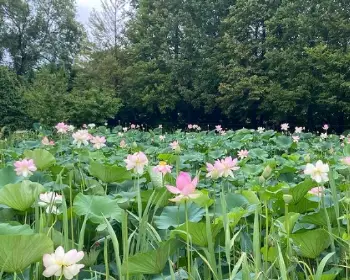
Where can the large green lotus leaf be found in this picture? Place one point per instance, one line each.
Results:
(151, 262)
(97, 208)
(20, 196)
(173, 216)
(42, 158)
(283, 142)
(169, 158)
(216, 154)
(293, 218)
(300, 190)
(109, 173)
(252, 169)
(258, 153)
(234, 216)
(347, 150)
(320, 218)
(17, 252)
(250, 196)
(197, 232)
(233, 200)
(8, 176)
(15, 229)
(311, 243)
(303, 206)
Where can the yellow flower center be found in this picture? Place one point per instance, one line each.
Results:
(162, 163)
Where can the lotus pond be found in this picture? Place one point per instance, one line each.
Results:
(125, 203)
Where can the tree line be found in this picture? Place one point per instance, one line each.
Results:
(236, 62)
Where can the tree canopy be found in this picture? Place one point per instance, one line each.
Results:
(236, 62)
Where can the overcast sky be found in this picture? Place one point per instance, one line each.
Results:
(85, 7)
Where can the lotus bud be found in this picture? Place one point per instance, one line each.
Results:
(287, 198)
(307, 158)
(262, 179)
(267, 172)
(134, 144)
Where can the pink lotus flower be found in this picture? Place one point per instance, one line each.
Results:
(195, 126)
(163, 168)
(136, 162)
(160, 126)
(317, 191)
(125, 129)
(227, 165)
(346, 161)
(85, 125)
(98, 142)
(45, 141)
(222, 132)
(62, 128)
(295, 139)
(25, 167)
(161, 137)
(199, 128)
(175, 146)
(185, 187)
(71, 128)
(122, 144)
(132, 126)
(285, 126)
(218, 128)
(299, 129)
(189, 126)
(81, 137)
(341, 137)
(243, 154)
(60, 263)
(325, 127)
(214, 170)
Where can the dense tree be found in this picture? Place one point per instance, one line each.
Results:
(35, 32)
(50, 98)
(12, 110)
(107, 24)
(242, 63)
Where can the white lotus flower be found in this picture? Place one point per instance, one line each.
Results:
(318, 172)
(60, 263)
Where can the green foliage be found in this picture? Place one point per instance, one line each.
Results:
(12, 113)
(46, 96)
(29, 249)
(97, 208)
(37, 32)
(50, 101)
(20, 196)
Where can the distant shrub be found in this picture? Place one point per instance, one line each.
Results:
(50, 100)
